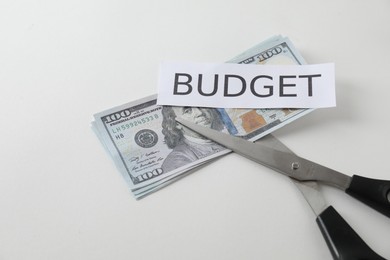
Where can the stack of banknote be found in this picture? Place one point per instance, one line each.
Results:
(151, 150)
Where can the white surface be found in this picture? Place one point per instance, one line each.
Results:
(312, 86)
(63, 61)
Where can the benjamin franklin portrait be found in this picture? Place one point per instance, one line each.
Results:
(187, 145)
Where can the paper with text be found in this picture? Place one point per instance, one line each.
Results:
(227, 85)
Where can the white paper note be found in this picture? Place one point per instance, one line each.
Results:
(228, 85)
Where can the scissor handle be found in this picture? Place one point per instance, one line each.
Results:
(372, 192)
(343, 242)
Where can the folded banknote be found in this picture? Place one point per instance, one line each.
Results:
(151, 150)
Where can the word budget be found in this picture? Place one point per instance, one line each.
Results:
(260, 85)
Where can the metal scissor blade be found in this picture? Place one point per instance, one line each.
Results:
(282, 161)
(274, 143)
(309, 189)
(313, 196)
(262, 154)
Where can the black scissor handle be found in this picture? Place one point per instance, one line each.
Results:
(343, 242)
(374, 193)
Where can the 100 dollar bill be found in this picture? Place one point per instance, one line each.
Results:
(151, 150)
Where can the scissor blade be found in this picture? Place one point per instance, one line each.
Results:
(281, 160)
(309, 189)
(274, 143)
(313, 196)
(275, 159)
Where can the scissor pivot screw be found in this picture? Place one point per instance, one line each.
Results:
(295, 166)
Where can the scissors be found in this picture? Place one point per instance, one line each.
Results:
(343, 242)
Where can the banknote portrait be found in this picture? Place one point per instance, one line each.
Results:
(187, 145)
(151, 150)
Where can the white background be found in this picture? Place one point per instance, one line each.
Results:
(62, 61)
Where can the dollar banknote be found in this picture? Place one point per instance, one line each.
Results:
(151, 150)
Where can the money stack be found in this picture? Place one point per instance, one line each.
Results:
(151, 150)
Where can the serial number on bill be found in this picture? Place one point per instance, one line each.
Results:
(135, 123)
